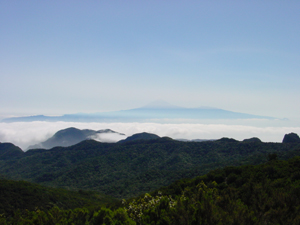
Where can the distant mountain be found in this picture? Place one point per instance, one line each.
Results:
(72, 136)
(158, 110)
(291, 138)
(160, 104)
(140, 136)
(254, 139)
(228, 140)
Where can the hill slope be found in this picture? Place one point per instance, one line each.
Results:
(9, 150)
(71, 136)
(262, 194)
(140, 136)
(291, 138)
(23, 195)
(128, 169)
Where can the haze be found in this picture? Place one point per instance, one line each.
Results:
(24, 134)
(60, 57)
(72, 56)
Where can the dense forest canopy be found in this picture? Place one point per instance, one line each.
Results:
(130, 168)
(261, 194)
(212, 182)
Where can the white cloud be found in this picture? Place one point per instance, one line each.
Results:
(24, 134)
(108, 137)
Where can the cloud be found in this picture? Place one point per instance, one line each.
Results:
(24, 134)
(108, 137)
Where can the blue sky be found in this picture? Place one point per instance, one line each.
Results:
(60, 57)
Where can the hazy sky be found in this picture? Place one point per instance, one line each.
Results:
(60, 57)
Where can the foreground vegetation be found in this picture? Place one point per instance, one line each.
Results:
(252, 194)
(23, 196)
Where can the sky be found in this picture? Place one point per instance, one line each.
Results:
(60, 57)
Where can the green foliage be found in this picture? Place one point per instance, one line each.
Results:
(261, 194)
(8, 150)
(272, 156)
(77, 216)
(148, 206)
(125, 170)
(22, 196)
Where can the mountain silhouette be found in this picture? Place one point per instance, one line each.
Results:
(140, 136)
(9, 150)
(158, 110)
(291, 138)
(71, 136)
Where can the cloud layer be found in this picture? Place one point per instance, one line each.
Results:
(24, 134)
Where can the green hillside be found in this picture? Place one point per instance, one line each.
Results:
(263, 194)
(9, 150)
(22, 195)
(129, 169)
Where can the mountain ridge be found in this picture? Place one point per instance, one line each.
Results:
(128, 169)
(71, 136)
(157, 110)
(140, 136)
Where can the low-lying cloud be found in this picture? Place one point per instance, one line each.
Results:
(24, 134)
(108, 137)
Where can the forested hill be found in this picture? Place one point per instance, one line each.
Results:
(71, 136)
(263, 194)
(9, 150)
(22, 195)
(131, 168)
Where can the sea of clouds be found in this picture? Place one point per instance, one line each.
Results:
(24, 134)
